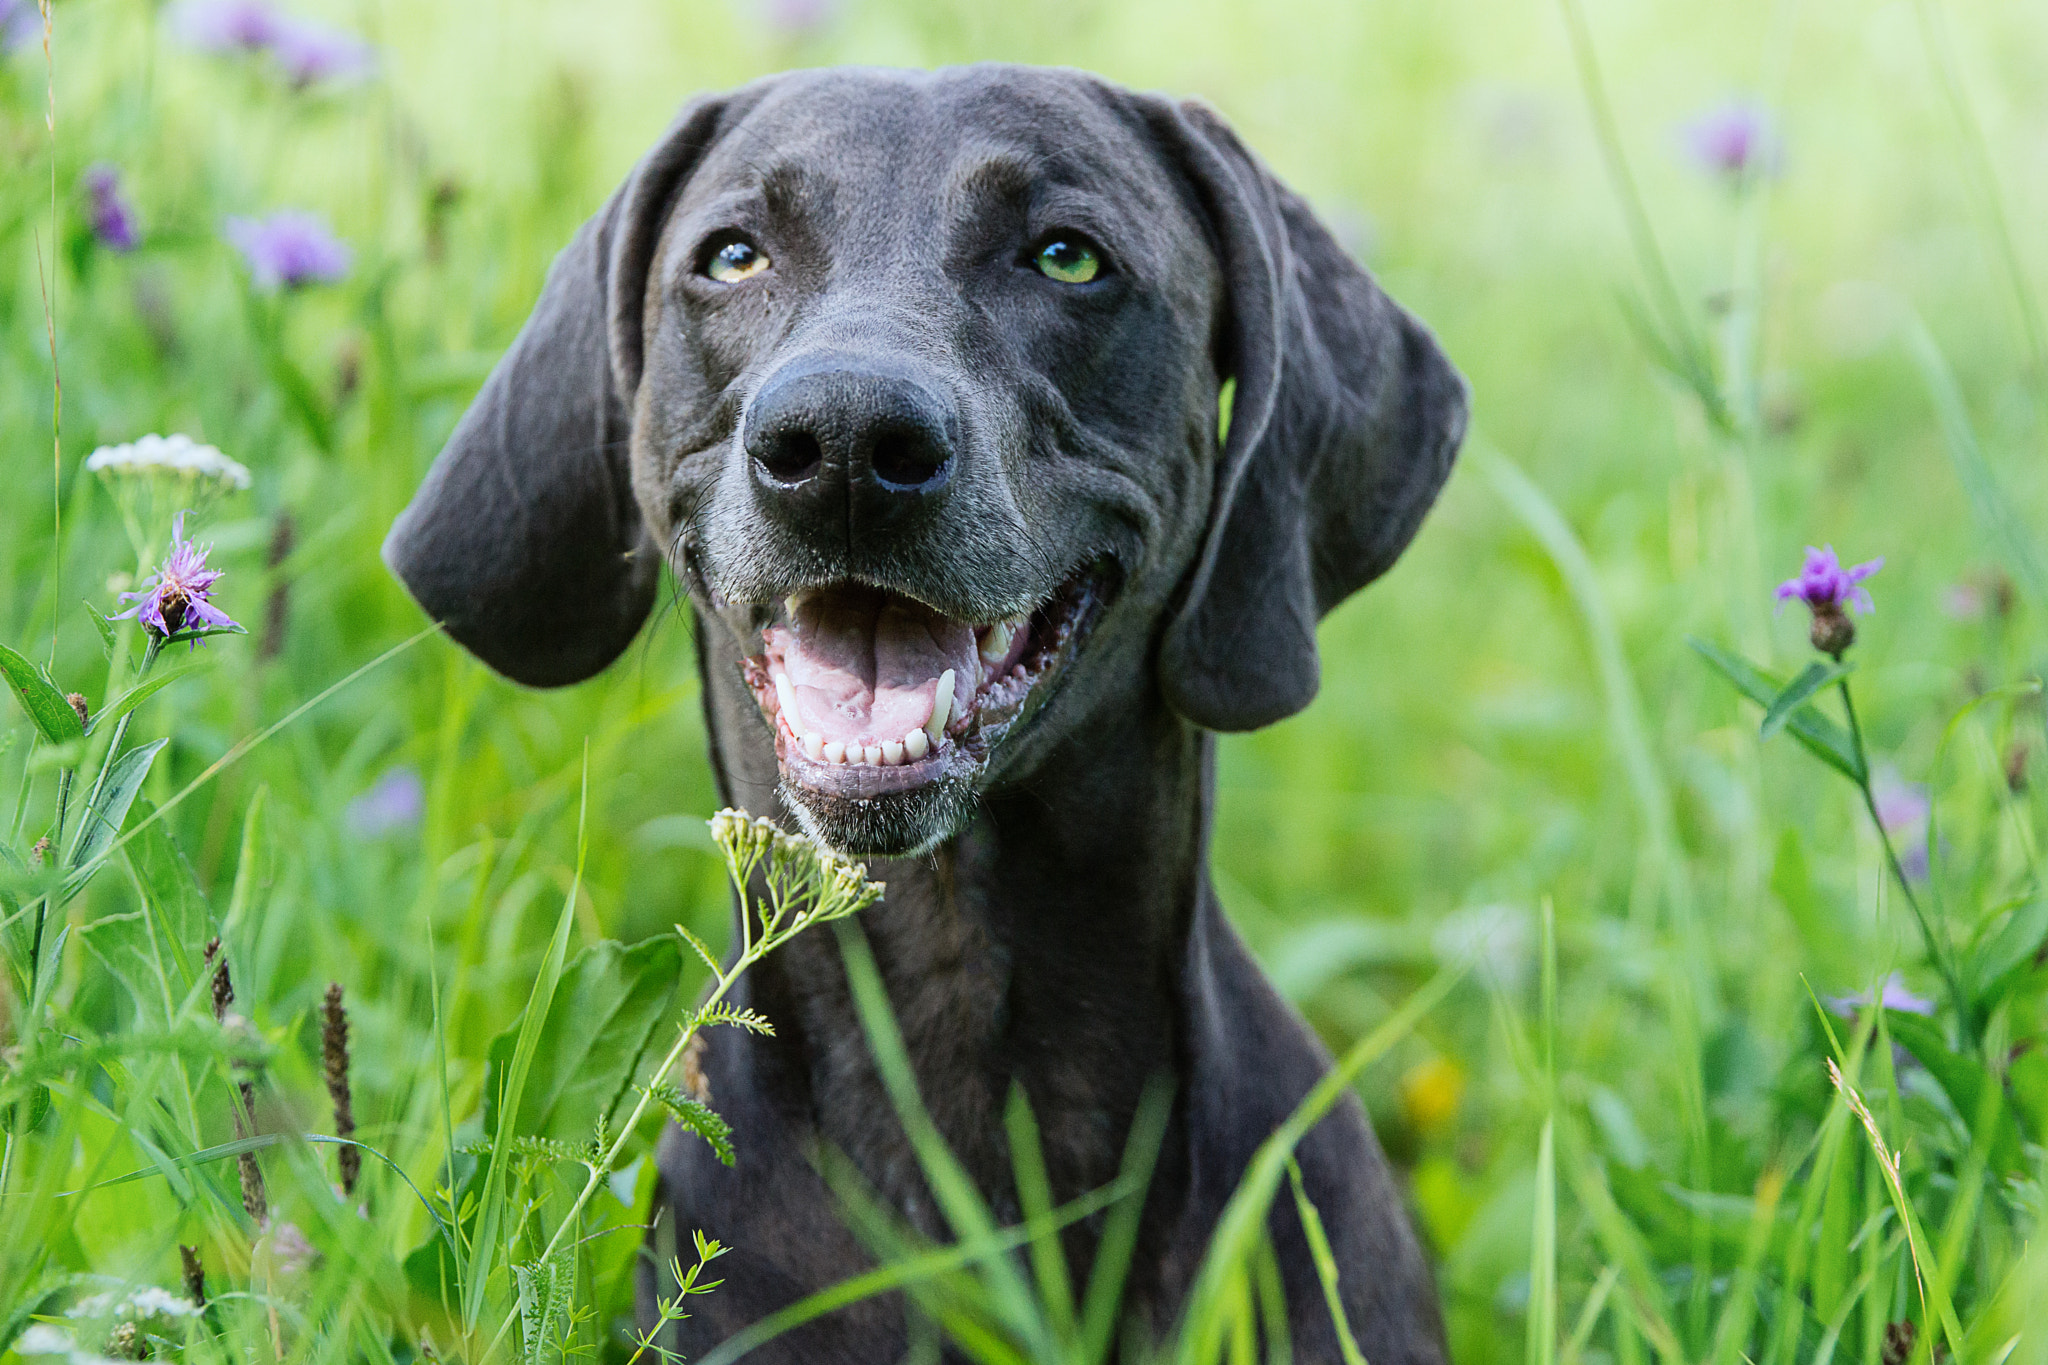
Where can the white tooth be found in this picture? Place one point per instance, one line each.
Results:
(996, 643)
(785, 697)
(871, 754)
(892, 751)
(789, 607)
(942, 707)
(917, 744)
(833, 751)
(814, 748)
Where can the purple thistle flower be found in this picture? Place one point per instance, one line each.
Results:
(227, 25)
(176, 596)
(1896, 996)
(394, 802)
(310, 52)
(1831, 592)
(112, 217)
(1823, 582)
(290, 248)
(1735, 139)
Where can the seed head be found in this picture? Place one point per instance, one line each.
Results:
(334, 1061)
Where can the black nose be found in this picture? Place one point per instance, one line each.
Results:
(838, 443)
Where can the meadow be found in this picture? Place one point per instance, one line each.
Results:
(1578, 843)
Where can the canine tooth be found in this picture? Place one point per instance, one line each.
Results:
(942, 707)
(789, 607)
(916, 745)
(785, 697)
(871, 754)
(833, 751)
(996, 643)
(892, 751)
(814, 748)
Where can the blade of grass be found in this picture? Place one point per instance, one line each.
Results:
(950, 1184)
(1245, 1214)
(1034, 1193)
(491, 1205)
(1326, 1265)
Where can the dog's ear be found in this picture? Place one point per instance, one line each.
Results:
(1344, 423)
(524, 541)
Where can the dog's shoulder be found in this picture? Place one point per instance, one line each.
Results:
(1251, 1061)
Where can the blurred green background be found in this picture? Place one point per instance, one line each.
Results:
(1506, 719)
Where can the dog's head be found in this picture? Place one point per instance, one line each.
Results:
(914, 380)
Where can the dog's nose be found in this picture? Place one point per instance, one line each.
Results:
(838, 444)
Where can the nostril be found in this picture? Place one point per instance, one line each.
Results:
(791, 457)
(906, 460)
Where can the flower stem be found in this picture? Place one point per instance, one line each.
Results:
(1942, 959)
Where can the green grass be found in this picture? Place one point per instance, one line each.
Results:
(1619, 1132)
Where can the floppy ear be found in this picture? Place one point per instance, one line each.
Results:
(1343, 426)
(524, 541)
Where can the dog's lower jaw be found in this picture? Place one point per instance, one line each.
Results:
(906, 824)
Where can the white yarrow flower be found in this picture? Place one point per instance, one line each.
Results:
(175, 454)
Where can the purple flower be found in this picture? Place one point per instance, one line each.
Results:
(1892, 990)
(795, 18)
(227, 25)
(176, 596)
(1735, 139)
(310, 52)
(290, 248)
(394, 802)
(21, 23)
(1828, 589)
(1824, 584)
(1901, 806)
(112, 217)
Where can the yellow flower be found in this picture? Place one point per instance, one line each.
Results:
(1430, 1093)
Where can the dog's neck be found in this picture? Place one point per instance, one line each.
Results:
(1043, 945)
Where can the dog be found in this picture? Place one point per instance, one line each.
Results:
(917, 381)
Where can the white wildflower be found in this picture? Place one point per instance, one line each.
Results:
(175, 454)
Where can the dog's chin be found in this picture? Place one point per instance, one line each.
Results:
(901, 824)
(887, 716)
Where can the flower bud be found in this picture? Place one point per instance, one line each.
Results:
(1833, 631)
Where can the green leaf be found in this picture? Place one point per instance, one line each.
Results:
(41, 698)
(2012, 946)
(202, 633)
(100, 822)
(1797, 693)
(1962, 1079)
(1820, 736)
(140, 693)
(697, 1116)
(104, 627)
(605, 1011)
(546, 1289)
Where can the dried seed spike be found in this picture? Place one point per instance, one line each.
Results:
(195, 1275)
(254, 1199)
(334, 1059)
(223, 988)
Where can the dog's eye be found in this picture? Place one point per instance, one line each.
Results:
(731, 258)
(1069, 258)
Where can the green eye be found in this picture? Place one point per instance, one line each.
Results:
(1070, 260)
(737, 260)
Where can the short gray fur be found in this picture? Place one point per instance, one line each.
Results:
(1055, 926)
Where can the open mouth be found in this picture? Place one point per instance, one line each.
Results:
(870, 692)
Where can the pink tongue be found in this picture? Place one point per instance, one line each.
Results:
(865, 664)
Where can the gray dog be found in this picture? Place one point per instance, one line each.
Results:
(914, 381)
